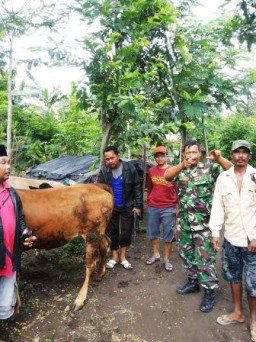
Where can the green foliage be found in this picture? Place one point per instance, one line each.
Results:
(123, 71)
(3, 104)
(72, 249)
(238, 127)
(152, 71)
(244, 22)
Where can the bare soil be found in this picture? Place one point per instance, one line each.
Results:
(138, 305)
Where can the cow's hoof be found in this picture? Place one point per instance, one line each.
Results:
(78, 307)
(99, 278)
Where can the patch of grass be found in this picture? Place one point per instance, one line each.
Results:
(72, 249)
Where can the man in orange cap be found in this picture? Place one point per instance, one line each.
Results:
(162, 201)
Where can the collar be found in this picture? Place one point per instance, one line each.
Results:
(200, 165)
(192, 169)
(6, 185)
(231, 172)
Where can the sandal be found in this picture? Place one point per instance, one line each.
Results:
(152, 260)
(125, 263)
(253, 335)
(168, 265)
(225, 320)
(111, 264)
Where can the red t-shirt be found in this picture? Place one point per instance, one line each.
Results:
(161, 193)
(8, 221)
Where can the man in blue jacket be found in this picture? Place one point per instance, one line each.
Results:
(123, 178)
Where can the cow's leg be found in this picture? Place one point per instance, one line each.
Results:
(92, 251)
(104, 246)
(17, 305)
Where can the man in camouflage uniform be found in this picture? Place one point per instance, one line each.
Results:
(195, 181)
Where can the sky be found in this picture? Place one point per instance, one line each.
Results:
(63, 76)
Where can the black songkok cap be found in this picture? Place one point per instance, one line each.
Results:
(3, 151)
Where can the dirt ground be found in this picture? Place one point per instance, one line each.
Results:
(138, 305)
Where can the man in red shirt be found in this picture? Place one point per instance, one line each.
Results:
(162, 201)
(12, 230)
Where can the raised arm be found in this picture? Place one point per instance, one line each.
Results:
(172, 172)
(215, 155)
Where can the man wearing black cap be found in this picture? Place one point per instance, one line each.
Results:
(234, 206)
(12, 229)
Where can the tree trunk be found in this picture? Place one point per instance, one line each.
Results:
(9, 114)
(106, 128)
(144, 171)
(205, 138)
(183, 134)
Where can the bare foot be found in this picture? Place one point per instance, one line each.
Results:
(234, 317)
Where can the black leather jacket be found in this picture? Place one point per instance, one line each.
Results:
(132, 192)
(20, 226)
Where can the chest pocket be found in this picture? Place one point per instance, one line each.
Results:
(251, 194)
(203, 185)
(227, 198)
(182, 188)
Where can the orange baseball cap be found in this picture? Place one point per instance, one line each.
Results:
(160, 149)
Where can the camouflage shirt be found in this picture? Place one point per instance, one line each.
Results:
(195, 193)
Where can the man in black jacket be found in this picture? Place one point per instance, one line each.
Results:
(123, 178)
(12, 230)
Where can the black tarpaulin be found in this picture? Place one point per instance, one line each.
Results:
(69, 167)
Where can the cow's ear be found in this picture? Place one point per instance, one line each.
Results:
(45, 186)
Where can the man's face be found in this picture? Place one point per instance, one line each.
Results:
(161, 158)
(112, 159)
(5, 168)
(241, 156)
(192, 154)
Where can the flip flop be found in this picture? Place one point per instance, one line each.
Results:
(125, 263)
(253, 335)
(152, 260)
(223, 320)
(168, 266)
(111, 264)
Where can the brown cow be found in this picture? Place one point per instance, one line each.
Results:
(58, 215)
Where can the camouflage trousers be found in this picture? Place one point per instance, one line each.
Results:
(197, 256)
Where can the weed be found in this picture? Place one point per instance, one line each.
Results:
(71, 249)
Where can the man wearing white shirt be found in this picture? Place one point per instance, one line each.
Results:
(234, 207)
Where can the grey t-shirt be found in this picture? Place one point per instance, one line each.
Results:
(118, 171)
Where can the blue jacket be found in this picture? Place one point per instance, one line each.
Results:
(132, 190)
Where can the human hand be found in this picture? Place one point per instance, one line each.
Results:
(214, 155)
(215, 243)
(137, 211)
(28, 242)
(252, 246)
(186, 163)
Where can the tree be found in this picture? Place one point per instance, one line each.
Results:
(237, 127)
(120, 72)
(79, 128)
(244, 22)
(16, 22)
(197, 73)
